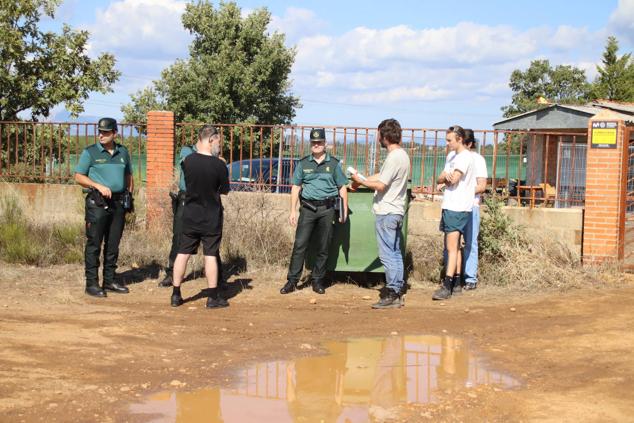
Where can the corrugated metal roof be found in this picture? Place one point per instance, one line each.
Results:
(627, 108)
(624, 111)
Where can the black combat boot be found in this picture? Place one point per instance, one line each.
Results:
(288, 287)
(318, 287)
(167, 281)
(93, 289)
(444, 292)
(115, 287)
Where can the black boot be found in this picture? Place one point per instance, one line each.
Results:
(444, 292)
(214, 300)
(177, 299)
(167, 281)
(115, 287)
(318, 287)
(457, 285)
(93, 289)
(288, 287)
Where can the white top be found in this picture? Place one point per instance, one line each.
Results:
(394, 174)
(480, 171)
(459, 197)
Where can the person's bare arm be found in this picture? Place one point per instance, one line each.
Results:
(343, 193)
(129, 182)
(86, 182)
(481, 185)
(371, 182)
(292, 217)
(453, 178)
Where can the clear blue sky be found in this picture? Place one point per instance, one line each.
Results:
(427, 63)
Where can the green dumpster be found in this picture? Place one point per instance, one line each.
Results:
(353, 247)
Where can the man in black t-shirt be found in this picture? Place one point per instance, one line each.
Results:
(206, 179)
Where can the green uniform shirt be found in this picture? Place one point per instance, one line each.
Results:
(319, 181)
(185, 151)
(105, 169)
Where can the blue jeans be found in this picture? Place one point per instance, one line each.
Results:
(388, 237)
(471, 247)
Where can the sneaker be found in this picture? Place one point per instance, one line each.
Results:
(166, 282)
(288, 287)
(441, 294)
(470, 285)
(176, 300)
(391, 300)
(216, 303)
(456, 290)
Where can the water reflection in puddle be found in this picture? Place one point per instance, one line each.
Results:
(356, 380)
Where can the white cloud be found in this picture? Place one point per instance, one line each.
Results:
(296, 23)
(141, 29)
(622, 19)
(397, 94)
(460, 45)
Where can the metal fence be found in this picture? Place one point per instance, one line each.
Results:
(49, 151)
(526, 168)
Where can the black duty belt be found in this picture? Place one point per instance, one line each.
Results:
(328, 202)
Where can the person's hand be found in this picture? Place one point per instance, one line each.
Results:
(103, 190)
(440, 187)
(355, 178)
(345, 216)
(292, 218)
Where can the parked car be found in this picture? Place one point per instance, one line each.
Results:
(261, 174)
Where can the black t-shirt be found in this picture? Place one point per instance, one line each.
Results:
(206, 177)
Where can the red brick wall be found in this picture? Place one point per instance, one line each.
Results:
(604, 217)
(160, 164)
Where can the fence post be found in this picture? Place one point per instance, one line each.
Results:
(606, 183)
(160, 165)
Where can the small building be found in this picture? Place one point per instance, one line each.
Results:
(555, 155)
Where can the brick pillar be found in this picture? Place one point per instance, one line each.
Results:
(160, 165)
(606, 183)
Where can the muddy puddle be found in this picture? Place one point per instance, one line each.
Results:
(359, 380)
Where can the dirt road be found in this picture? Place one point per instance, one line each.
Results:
(68, 357)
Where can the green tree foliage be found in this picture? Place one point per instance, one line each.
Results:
(236, 72)
(616, 75)
(39, 70)
(562, 84)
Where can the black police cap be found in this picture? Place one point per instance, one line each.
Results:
(317, 134)
(107, 124)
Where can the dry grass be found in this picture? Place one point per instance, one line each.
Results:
(257, 237)
(513, 257)
(255, 231)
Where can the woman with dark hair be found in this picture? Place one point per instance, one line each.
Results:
(458, 182)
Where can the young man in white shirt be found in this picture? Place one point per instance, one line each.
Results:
(458, 182)
(390, 197)
(473, 226)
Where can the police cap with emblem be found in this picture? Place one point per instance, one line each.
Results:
(317, 135)
(107, 124)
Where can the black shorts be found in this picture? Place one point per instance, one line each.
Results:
(191, 240)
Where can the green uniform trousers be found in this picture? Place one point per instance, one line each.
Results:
(103, 226)
(315, 227)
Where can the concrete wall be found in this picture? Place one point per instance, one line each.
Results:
(45, 203)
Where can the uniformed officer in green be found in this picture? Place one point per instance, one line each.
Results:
(317, 181)
(104, 170)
